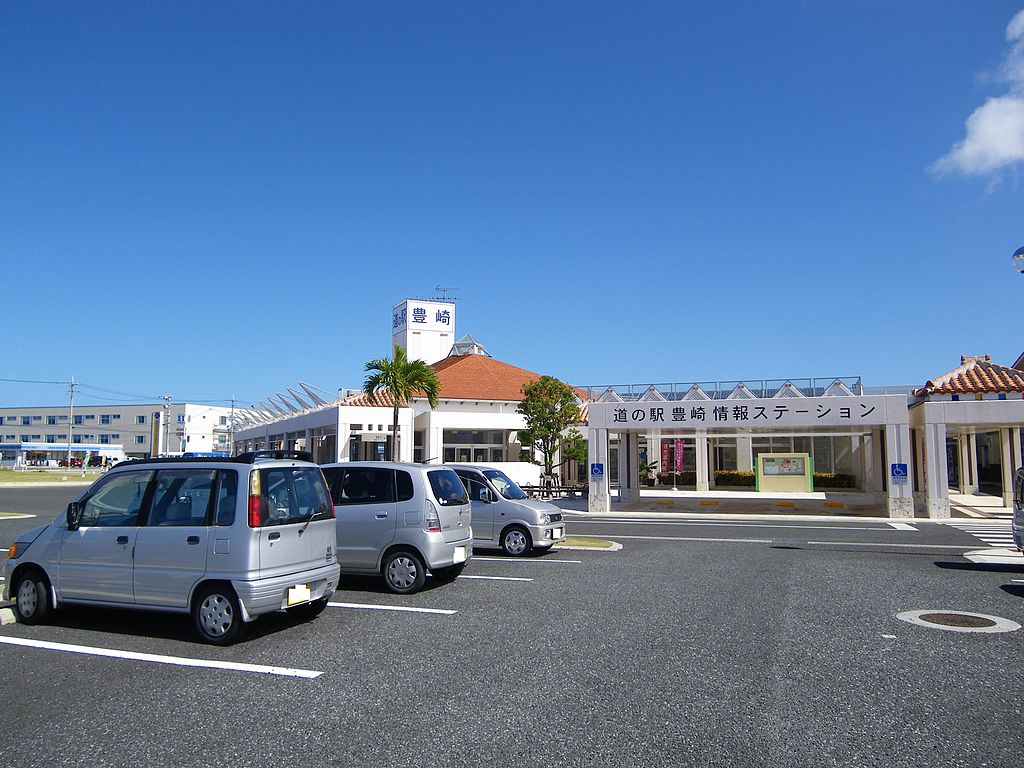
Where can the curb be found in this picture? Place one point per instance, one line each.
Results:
(615, 547)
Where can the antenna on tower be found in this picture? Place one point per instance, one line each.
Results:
(442, 294)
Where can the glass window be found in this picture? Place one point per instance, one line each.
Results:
(405, 489)
(292, 495)
(823, 454)
(104, 418)
(117, 500)
(140, 419)
(227, 497)
(504, 484)
(447, 488)
(449, 454)
(26, 421)
(78, 419)
(182, 497)
(51, 420)
(364, 485)
(479, 455)
(475, 488)
(140, 439)
(497, 454)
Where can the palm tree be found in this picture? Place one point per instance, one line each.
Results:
(401, 379)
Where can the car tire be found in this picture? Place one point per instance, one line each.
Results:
(216, 615)
(32, 598)
(515, 541)
(308, 611)
(446, 575)
(403, 572)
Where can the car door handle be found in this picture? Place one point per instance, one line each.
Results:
(192, 540)
(122, 539)
(273, 536)
(381, 516)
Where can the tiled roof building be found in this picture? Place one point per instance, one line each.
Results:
(976, 375)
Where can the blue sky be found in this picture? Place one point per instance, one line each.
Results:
(212, 199)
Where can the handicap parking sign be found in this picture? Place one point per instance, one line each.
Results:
(899, 474)
(597, 471)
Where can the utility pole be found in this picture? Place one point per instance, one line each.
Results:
(71, 415)
(167, 421)
(231, 428)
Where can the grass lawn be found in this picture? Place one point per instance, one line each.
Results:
(46, 476)
(586, 541)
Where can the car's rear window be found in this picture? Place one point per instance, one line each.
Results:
(447, 487)
(292, 495)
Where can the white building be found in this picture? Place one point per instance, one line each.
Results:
(39, 435)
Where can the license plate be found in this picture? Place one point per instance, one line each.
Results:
(460, 555)
(299, 594)
(558, 533)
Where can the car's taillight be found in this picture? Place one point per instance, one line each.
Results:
(433, 522)
(255, 500)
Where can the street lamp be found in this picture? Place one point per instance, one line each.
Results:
(1018, 260)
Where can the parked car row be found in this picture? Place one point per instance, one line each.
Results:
(230, 539)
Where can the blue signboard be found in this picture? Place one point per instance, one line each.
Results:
(899, 474)
(597, 471)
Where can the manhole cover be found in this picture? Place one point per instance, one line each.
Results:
(958, 621)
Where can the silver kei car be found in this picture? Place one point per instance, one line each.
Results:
(504, 516)
(401, 521)
(223, 539)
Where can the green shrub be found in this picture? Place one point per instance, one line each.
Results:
(833, 480)
(734, 478)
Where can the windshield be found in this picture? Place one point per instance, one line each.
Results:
(504, 484)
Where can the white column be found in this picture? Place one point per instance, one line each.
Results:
(936, 474)
(653, 453)
(1006, 465)
(599, 495)
(701, 441)
(869, 461)
(744, 455)
(712, 463)
(433, 442)
(629, 468)
(897, 451)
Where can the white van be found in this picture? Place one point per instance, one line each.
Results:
(401, 521)
(503, 515)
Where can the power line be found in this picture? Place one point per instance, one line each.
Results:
(34, 381)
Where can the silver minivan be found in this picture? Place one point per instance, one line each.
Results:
(401, 521)
(504, 516)
(223, 539)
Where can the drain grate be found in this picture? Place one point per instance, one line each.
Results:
(963, 620)
(958, 621)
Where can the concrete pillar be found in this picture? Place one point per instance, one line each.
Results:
(598, 495)
(744, 455)
(897, 451)
(868, 461)
(433, 443)
(712, 463)
(654, 453)
(629, 468)
(1006, 464)
(936, 473)
(701, 441)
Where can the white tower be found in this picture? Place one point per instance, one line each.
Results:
(424, 329)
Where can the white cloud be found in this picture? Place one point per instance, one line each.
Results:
(994, 138)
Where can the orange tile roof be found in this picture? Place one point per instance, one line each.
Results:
(475, 377)
(977, 374)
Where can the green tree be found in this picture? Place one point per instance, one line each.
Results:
(400, 379)
(550, 408)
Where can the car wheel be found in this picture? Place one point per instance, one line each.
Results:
(32, 598)
(445, 575)
(403, 572)
(311, 610)
(515, 541)
(216, 615)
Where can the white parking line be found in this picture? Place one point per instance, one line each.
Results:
(785, 541)
(530, 560)
(903, 526)
(693, 538)
(368, 607)
(158, 659)
(15, 517)
(715, 524)
(496, 578)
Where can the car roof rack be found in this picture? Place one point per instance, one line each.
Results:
(242, 458)
(250, 456)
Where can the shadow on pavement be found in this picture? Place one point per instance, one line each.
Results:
(983, 567)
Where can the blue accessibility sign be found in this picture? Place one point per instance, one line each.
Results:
(899, 474)
(597, 470)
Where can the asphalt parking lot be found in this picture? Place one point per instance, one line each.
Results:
(695, 645)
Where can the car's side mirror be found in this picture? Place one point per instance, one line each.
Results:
(73, 515)
(492, 497)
